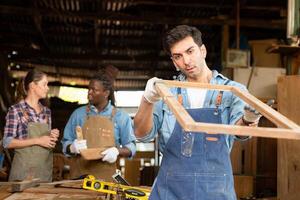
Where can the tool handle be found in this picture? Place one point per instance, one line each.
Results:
(79, 133)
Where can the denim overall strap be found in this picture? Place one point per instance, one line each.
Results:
(88, 111)
(205, 175)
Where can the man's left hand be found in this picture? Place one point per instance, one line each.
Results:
(110, 155)
(251, 116)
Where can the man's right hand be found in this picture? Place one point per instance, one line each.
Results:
(150, 93)
(77, 146)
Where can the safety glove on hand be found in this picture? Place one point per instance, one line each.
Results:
(252, 116)
(150, 93)
(110, 155)
(77, 146)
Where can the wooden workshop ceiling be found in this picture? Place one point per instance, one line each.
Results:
(71, 39)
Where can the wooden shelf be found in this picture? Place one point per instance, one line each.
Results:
(283, 49)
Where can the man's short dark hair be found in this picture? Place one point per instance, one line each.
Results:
(179, 33)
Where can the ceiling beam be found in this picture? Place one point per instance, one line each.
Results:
(113, 42)
(107, 15)
(83, 82)
(37, 19)
(27, 53)
(196, 5)
(121, 64)
(88, 72)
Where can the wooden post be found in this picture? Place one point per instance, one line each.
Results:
(288, 157)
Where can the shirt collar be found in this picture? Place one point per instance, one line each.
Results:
(215, 74)
(107, 108)
(25, 105)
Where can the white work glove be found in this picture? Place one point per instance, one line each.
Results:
(110, 154)
(251, 115)
(150, 93)
(78, 145)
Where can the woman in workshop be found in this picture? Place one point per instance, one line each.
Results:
(103, 127)
(28, 131)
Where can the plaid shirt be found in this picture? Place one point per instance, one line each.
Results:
(17, 119)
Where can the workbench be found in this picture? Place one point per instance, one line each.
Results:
(51, 192)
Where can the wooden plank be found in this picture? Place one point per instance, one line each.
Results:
(63, 182)
(244, 130)
(79, 133)
(195, 85)
(26, 196)
(188, 123)
(288, 157)
(92, 153)
(32, 196)
(52, 190)
(18, 187)
(181, 114)
(4, 191)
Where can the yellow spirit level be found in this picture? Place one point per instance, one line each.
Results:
(129, 192)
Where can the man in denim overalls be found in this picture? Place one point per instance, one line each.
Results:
(194, 166)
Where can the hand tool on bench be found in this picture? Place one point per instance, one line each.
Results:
(19, 186)
(125, 191)
(79, 133)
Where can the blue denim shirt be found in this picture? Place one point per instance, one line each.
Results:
(122, 127)
(164, 120)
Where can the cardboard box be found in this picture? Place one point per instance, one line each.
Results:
(261, 57)
(263, 82)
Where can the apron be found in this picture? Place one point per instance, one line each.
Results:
(34, 161)
(99, 133)
(205, 173)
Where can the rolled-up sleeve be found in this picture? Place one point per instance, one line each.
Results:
(11, 126)
(69, 133)
(156, 124)
(126, 135)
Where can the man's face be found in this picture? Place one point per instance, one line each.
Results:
(97, 94)
(189, 57)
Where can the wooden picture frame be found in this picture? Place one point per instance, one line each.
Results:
(287, 129)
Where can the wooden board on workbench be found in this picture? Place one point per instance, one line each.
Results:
(61, 190)
(4, 191)
(27, 196)
(33, 196)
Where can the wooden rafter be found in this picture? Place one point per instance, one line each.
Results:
(287, 128)
(272, 24)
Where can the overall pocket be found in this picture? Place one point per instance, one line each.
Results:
(212, 187)
(196, 186)
(180, 186)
